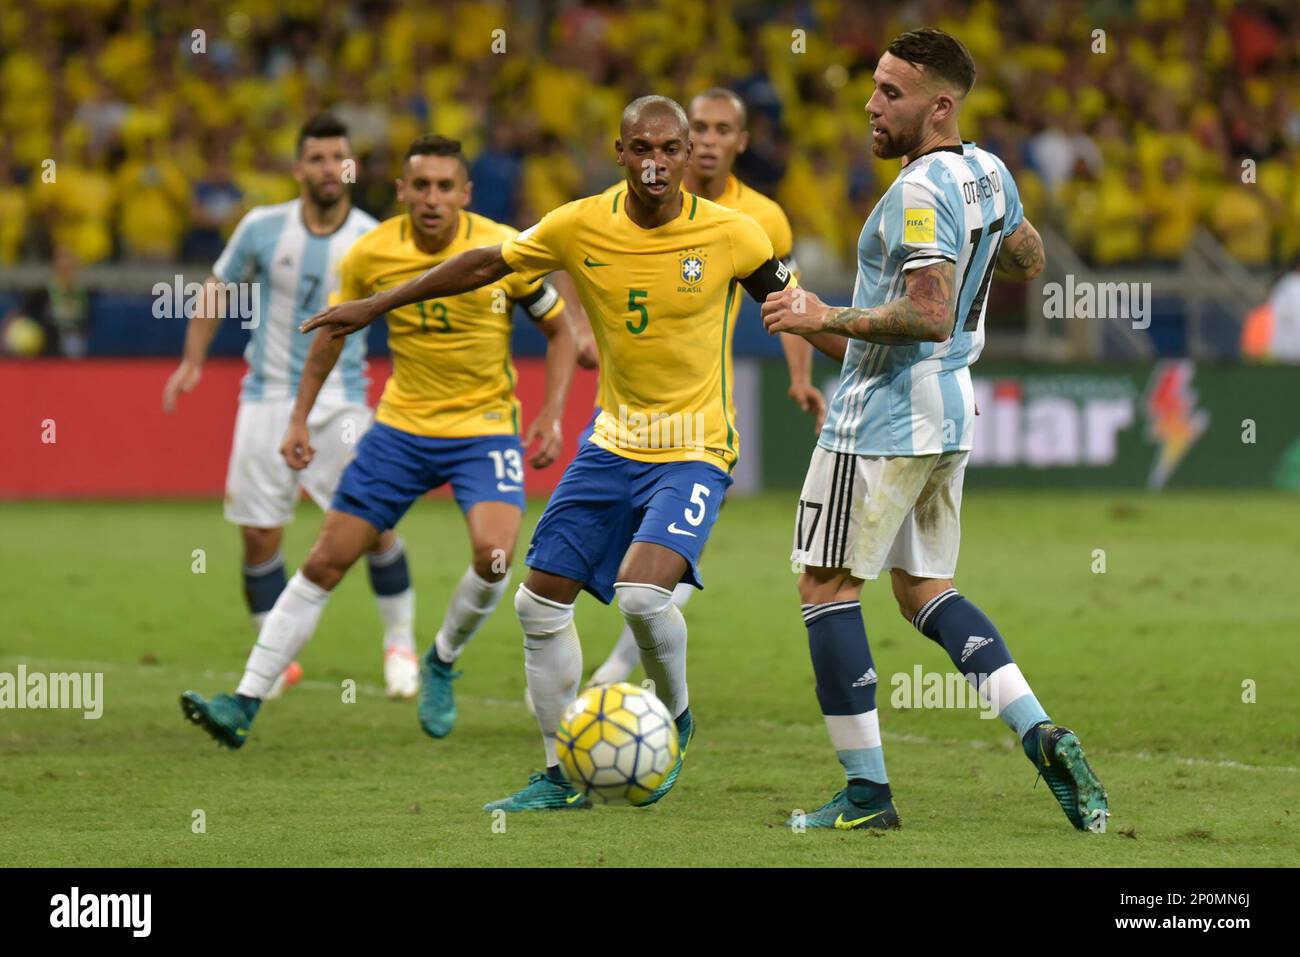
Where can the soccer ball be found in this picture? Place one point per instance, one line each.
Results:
(617, 743)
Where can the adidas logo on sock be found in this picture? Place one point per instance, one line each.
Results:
(867, 679)
(973, 644)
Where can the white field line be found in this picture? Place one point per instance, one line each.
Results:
(231, 677)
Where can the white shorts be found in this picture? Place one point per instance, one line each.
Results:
(867, 513)
(261, 489)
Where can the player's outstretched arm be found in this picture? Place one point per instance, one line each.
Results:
(321, 358)
(199, 333)
(561, 354)
(922, 314)
(470, 270)
(1021, 257)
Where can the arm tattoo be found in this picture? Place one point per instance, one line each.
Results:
(922, 314)
(1029, 254)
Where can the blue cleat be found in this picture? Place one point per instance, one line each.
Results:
(543, 793)
(685, 731)
(437, 707)
(1058, 755)
(856, 807)
(224, 717)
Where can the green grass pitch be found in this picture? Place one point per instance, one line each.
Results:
(1146, 661)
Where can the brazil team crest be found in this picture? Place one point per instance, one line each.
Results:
(692, 267)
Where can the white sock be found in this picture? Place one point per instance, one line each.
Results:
(398, 614)
(471, 602)
(287, 627)
(388, 571)
(625, 656)
(552, 661)
(660, 632)
(259, 618)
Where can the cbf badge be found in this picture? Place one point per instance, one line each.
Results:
(692, 263)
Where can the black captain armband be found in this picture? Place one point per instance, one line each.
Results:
(772, 276)
(539, 303)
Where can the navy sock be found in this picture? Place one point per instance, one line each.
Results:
(841, 657)
(389, 574)
(263, 583)
(976, 648)
(556, 774)
(871, 794)
(955, 624)
(846, 686)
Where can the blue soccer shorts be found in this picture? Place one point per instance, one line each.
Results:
(605, 502)
(393, 468)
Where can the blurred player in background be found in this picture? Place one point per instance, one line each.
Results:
(448, 414)
(659, 272)
(718, 134)
(291, 251)
(884, 486)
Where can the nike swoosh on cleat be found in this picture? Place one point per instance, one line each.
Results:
(573, 799)
(588, 261)
(679, 531)
(849, 825)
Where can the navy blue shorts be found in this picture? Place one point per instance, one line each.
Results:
(393, 468)
(605, 502)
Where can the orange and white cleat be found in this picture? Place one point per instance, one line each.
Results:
(401, 673)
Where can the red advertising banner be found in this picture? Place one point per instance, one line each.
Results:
(96, 428)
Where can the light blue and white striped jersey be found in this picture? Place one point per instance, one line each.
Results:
(296, 271)
(949, 204)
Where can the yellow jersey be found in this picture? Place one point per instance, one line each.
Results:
(452, 375)
(764, 211)
(662, 304)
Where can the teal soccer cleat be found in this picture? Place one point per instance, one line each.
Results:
(855, 807)
(1058, 755)
(437, 708)
(542, 794)
(223, 717)
(685, 732)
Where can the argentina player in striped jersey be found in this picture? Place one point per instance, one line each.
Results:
(291, 251)
(884, 486)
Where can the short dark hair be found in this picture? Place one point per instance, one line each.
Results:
(321, 126)
(722, 93)
(431, 144)
(653, 104)
(940, 53)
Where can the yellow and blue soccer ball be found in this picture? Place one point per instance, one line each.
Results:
(617, 743)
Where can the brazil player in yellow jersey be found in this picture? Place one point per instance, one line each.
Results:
(448, 415)
(660, 273)
(718, 121)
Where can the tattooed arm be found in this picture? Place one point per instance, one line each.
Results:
(924, 313)
(1021, 257)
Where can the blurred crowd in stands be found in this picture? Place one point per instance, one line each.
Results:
(142, 131)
